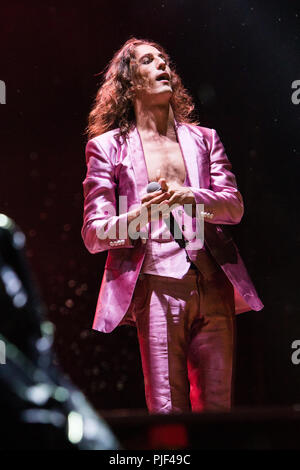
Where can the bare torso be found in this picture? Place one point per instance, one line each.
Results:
(164, 154)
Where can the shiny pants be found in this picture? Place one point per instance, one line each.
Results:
(186, 331)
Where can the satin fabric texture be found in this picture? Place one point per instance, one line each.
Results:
(117, 168)
(186, 332)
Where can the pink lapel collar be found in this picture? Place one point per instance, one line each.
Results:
(189, 153)
(138, 161)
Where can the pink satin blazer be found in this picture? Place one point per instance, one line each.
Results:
(119, 169)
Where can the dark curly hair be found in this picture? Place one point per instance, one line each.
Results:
(113, 104)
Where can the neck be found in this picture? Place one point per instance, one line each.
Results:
(154, 120)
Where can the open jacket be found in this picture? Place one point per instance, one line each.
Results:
(118, 168)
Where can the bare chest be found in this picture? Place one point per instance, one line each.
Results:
(166, 160)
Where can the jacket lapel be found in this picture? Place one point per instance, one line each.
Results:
(189, 153)
(138, 161)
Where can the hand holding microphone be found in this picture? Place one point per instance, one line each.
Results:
(180, 195)
(170, 221)
(171, 194)
(145, 208)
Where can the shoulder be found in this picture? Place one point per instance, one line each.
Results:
(201, 133)
(105, 143)
(106, 139)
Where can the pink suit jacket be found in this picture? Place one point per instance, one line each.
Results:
(119, 169)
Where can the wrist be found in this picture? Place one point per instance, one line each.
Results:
(132, 215)
(190, 198)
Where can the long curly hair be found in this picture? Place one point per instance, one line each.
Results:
(113, 105)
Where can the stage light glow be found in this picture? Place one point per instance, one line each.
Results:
(47, 327)
(43, 344)
(61, 394)
(19, 240)
(20, 299)
(4, 221)
(75, 427)
(39, 394)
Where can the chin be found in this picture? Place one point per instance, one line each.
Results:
(166, 89)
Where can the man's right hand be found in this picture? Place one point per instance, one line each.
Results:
(149, 199)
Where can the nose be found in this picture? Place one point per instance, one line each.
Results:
(161, 64)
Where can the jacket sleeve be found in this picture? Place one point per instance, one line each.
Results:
(222, 200)
(102, 228)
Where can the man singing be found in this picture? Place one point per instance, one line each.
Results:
(182, 300)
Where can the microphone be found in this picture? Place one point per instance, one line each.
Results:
(170, 222)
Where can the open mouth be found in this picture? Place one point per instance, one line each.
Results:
(163, 77)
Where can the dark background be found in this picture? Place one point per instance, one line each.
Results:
(238, 59)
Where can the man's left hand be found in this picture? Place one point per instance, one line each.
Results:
(178, 194)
